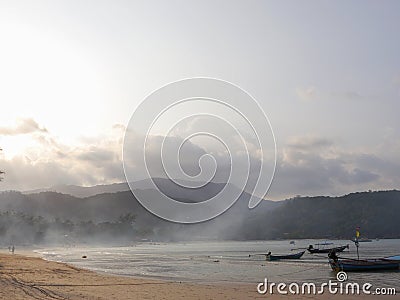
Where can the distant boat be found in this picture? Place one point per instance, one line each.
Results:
(359, 265)
(270, 257)
(313, 250)
(324, 244)
(292, 243)
(362, 240)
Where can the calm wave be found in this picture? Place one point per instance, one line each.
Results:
(226, 261)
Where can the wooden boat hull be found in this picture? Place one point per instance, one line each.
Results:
(336, 249)
(364, 265)
(289, 256)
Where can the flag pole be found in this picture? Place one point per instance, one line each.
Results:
(356, 241)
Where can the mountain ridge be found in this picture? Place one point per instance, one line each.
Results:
(295, 218)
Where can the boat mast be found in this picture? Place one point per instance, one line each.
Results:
(356, 241)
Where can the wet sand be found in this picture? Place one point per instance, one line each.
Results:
(29, 277)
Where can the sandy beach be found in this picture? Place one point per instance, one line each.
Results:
(29, 277)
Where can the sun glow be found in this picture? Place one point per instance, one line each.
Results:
(50, 78)
(17, 145)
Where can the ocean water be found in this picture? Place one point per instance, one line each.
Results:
(225, 261)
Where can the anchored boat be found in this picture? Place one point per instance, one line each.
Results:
(357, 265)
(287, 256)
(312, 250)
(271, 257)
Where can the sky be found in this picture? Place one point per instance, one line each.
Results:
(327, 74)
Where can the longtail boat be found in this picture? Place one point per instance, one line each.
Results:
(360, 265)
(312, 250)
(270, 257)
(287, 256)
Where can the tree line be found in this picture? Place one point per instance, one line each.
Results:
(18, 228)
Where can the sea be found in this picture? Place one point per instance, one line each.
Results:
(226, 261)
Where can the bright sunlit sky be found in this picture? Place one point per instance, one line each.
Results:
(327, 73)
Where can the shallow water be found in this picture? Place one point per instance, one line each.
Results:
(226, 261)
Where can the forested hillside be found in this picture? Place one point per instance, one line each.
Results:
(50, 217)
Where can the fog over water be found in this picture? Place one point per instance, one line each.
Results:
(326, 74)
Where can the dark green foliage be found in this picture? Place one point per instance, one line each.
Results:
(332, 217)
(118, 218)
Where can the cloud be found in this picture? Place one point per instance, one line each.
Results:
(318, 166)
(347, 95)
(93, 161)
(307, 164)
(307, 94)
(95, 155)
(308, 142)
(311, 93)
(23, 126)
(120, 127)
(47, 162)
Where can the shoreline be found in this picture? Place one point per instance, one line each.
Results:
(31, 277)
(24, 276)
